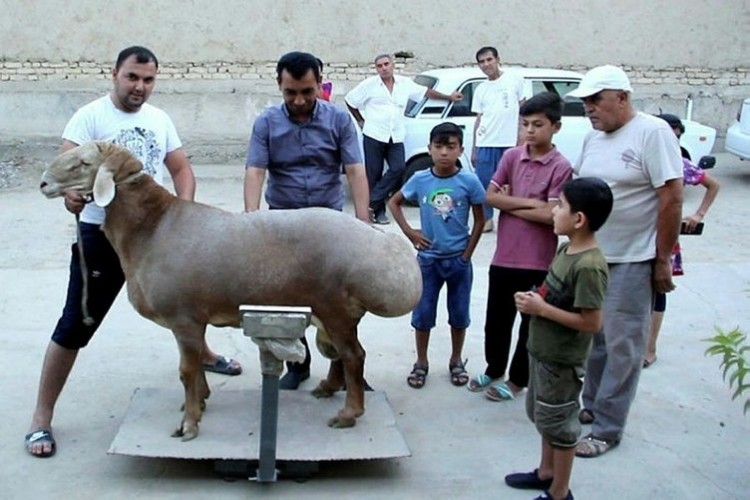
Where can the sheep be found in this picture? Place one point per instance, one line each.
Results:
(188, 264)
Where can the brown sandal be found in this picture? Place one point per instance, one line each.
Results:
(418, 376)
(459, 375)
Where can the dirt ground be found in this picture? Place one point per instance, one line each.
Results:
(685, 437)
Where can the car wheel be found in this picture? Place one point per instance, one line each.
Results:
(421, 163)
(414, 166)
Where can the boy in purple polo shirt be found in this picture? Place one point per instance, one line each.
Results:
(525, 187)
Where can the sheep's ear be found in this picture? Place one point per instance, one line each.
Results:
(104, 186)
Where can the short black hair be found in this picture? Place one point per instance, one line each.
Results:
(591, 196)
(142, 56)
(298, 64)
(486, 49)
(674, 121)
(547, 103)
(442, 133)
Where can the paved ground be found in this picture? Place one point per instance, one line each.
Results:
(685, 438)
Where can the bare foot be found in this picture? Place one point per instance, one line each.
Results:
(515, 388)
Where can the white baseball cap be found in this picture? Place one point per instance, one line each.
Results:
(602, 78)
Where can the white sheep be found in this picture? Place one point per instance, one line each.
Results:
(187, 265)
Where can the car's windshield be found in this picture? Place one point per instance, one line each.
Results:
(412, 107)
(573, 106)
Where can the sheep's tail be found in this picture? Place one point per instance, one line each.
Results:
(87, 319)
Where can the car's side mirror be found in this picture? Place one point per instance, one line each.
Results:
(707, 162)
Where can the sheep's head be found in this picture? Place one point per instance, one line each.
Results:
(92, 168)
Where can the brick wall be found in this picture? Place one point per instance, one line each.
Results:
(214, 104)
(31, 71)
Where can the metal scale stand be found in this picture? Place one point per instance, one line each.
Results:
(272, 322)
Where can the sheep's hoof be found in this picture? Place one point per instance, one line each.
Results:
(323, 390)
(342, 422)
(186, 432)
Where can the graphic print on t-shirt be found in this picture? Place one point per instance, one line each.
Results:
(442, 202)
(630, 159)
(142, 144)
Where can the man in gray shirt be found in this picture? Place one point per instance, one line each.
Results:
(302, 143)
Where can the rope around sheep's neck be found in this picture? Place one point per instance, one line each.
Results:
(87, 319)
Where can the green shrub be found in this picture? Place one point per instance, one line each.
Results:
(732, 346)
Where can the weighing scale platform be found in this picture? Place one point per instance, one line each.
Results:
(230, 428)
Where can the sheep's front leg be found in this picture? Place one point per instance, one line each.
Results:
(190, 342)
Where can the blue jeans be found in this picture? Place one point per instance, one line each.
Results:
(485, 165)
(458, 275)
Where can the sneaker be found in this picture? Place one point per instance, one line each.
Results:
(528, 481)
(371, 214)
(489, 226)
(380, 218)
(292, 380)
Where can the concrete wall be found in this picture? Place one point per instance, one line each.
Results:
(218, 56)
(534, 32)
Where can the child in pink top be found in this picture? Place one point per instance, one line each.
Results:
(692, 176)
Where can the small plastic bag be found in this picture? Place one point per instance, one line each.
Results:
(284, 349)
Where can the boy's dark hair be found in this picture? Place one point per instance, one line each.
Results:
(591, 196)
(142, 56)
(486, 49)
(298, 64)
(441, 134)
(547, 103)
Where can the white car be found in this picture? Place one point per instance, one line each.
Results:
(738, 134)
(422, 116)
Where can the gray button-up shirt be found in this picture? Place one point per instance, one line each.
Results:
(304, 160)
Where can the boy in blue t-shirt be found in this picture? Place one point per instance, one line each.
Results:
(445, 193)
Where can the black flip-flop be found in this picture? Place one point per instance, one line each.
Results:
(41, 436)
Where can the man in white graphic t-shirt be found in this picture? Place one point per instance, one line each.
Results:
(122, 117)
(496, 103)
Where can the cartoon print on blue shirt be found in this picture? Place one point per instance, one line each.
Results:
(142, 144)
(442, 202)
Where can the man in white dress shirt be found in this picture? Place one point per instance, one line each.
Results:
(377, 105)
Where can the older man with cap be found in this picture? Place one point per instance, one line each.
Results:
(639, 157)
